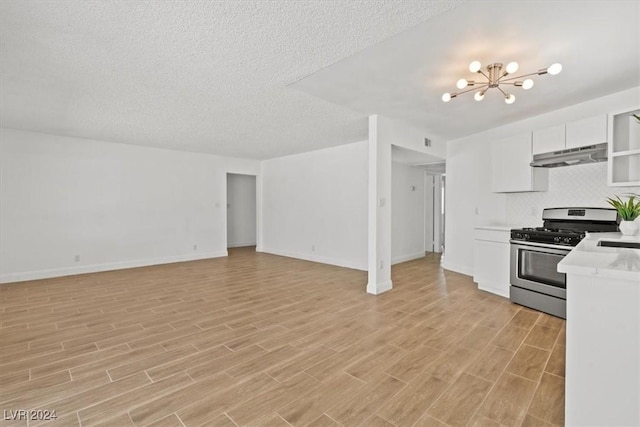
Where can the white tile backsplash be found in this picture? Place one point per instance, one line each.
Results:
(569, 186)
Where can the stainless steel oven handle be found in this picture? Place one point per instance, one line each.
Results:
(524, 244)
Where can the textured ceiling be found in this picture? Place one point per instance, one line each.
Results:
(403, 77)
(206, 76)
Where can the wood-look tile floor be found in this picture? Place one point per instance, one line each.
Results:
(261, 340)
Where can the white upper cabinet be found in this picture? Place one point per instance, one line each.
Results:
(549, 139)
(510, 170)
(589, 131)
(579, 133)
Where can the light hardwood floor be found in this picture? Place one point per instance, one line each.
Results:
(257, 339)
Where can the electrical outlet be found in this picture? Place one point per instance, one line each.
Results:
(381, 264)
(313, 248)
(534, 211)
(477, 211)
(195, 247)
(76, 258)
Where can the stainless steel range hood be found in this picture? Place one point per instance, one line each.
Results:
(571, 156)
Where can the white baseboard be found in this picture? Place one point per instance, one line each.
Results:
(378, 288)
(95, 268)
(494, 289)
(405, 258)
(240, 245)
(315, 258)
(457, 268)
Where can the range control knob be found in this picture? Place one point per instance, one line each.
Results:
(557, 239)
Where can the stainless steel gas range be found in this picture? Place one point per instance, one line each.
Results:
(536, 252)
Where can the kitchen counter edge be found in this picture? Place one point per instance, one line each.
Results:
(589, 259)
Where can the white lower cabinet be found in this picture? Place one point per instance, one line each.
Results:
(602, 385)
(491, 259)
(510, 170)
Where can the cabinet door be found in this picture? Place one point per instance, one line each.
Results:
(491, 267)
(510, 170)
(548, 139)
(589, 131)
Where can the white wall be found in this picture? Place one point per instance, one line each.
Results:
(469, 173)
(407, 212)
(379, 208)
(404, 135)
(315, 205)
(467, 192)
(113, 205)
(241, 210)
(383, 133)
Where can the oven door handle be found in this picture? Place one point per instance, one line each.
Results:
(558, 249)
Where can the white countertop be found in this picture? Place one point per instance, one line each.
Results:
(494, 233)
(497, 227)
(590, 259)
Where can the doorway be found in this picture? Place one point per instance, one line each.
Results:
(241, 210)
(417, 204)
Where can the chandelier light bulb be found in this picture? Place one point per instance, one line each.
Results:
(554, 69)
(475, 66)
(512, 67)
(462, 83)
(446, 97)
(510, 99)
(479, 96)
(527, 84)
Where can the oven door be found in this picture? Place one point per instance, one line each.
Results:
(534, 266)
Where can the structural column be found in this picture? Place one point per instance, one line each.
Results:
(379, 262)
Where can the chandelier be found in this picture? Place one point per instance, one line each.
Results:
(496, 77)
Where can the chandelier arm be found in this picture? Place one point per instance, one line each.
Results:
(503, 92)
(472, 89)
(518, 77)
(482, 72)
